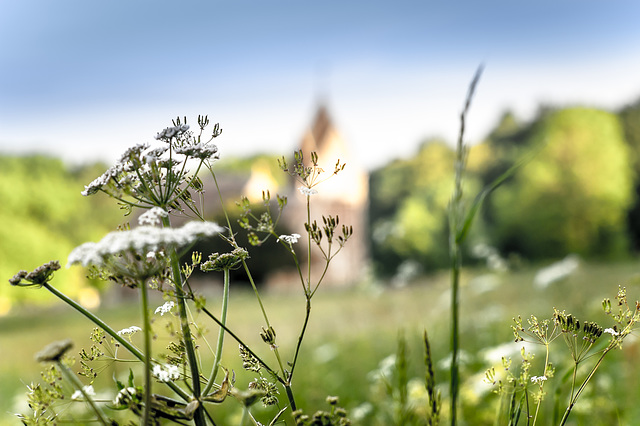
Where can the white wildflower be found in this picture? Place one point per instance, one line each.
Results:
(307, 191)
(538, 379)
(611, 331)
(167, 373)
(152, 217)
(291, 239)
(153, 156)
(132, 151)
(129, 330)
(88, 390)
(164, 308)
(124, 396)
(142, 239)
(170, 132)
(201, 150)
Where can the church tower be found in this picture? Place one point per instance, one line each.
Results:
(344, 195)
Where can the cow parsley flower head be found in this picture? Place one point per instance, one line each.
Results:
(538, 379)
(125, 396)
(129, 331)
(78, 394)
(152, 217)
(37, 277)
(202, 151)
(307, 191)
(171, 132)
(140, 240)
(291, 239)
(168, 373)
(164, 308)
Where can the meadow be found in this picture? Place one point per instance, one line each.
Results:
(352, 331)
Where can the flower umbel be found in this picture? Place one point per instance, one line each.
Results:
(165, 308)
(37, 277)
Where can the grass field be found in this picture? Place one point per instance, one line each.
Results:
(353, 330)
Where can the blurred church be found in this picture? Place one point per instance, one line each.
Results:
(344, 195)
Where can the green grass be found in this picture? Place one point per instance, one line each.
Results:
(351, 331)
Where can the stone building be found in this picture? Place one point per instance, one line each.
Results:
(344, 195)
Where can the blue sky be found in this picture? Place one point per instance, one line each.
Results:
(86, 79)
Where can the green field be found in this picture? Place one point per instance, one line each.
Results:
(353, 330)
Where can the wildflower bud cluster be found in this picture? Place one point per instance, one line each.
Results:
(228, 261)
(158, 176)
(37, 277)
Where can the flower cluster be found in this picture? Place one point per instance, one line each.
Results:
(157, 176)
(164, 309)
(129, 330)
(141, 240)
(37, 277)
(168, 373)
(86, 390)
(152, 217)
(220, 262)
(289, 239)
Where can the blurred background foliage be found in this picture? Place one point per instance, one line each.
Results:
(578, 194)
(44, 217)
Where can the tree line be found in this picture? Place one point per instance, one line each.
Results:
(578, 192)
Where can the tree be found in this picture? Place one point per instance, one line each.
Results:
(409, 208)
(573, 196)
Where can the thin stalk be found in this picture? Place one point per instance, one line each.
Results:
(574, 399)
(455, 332)
(110, 331)
(69, 375)
(186, 331)
(223, 319)
(246, 269)
(237, 339)
(308, 287)
(244, 264)
(456, 236)
(544, 374)
(144, 297)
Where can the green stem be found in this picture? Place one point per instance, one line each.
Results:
(186, 331)
(69, 375)
(144, 296)
(110, 331)
(574, 399)
(455, 332)
(223, 319)
(544, 374)
(237, 339)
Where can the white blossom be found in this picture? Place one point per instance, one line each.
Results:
(124, 395)
(307, 191)
(170, 132)
(611, 331)
(538, 379)
(167, 373)
(164, 308)
(142, 239)
(152, 217)
(87, 390)
(129, 330)
(201, 150)
(291, 239)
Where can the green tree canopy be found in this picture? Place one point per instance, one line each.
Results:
(409, 208)
(573, 196)
(44, 217)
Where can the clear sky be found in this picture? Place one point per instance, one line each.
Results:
(85, 79)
